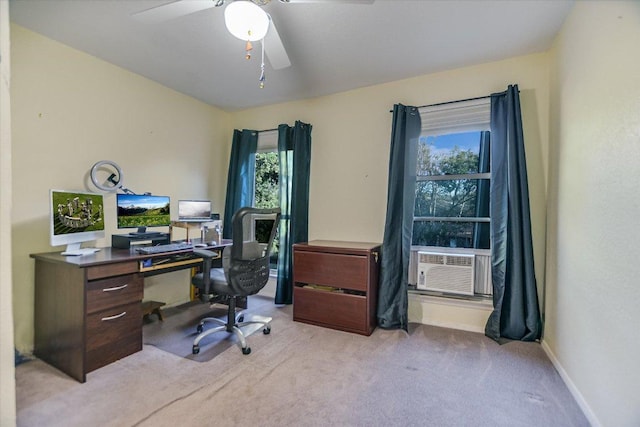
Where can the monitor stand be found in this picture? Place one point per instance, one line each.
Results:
(142, 233)
(124, 241)
(74, 249)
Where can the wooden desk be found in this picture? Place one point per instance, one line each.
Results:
(88, 310)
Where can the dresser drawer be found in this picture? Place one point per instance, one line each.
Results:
(337, 270)
(114, 291)
(331, 309)
(113, 334)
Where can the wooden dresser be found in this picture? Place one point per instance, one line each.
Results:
(336, 284)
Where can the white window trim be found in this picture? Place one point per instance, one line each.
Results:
(456, 117)
(267, 141)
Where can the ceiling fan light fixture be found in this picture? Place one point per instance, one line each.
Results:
(246, 20)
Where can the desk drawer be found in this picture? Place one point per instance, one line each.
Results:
(114, 291)
(113, 334)
(338, 270)
(109, 270)
(330, 309)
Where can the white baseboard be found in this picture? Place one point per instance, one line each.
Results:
(586, 409)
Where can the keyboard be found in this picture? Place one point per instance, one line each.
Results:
(158, 249)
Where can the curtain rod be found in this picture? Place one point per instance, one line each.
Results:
(459, 100)
(266, 130)
(453, 102)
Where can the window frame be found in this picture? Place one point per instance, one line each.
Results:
(267, 143)
(454, 118)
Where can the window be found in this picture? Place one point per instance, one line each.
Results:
(267, 172)
(266, 180)
(452, 191)
(452, 176)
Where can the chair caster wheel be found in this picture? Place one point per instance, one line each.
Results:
(246, 350)
(266, 331)
(199, 329)
(195, 349)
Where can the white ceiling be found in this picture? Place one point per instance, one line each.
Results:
(332, 46)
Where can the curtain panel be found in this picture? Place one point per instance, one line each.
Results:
(481, 233)
(392, 310)
(516, 314)
(240, 178)
(294, 154)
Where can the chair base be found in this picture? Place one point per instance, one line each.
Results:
(231, 328)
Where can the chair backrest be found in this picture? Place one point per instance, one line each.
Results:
(253, 234)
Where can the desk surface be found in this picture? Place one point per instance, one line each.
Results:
(112, 256)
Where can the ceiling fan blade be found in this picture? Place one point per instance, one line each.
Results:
(274, 49)
(329, 1)
(174, 9)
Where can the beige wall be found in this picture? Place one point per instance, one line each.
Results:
(350, 155)
(7, 370)
(70, 110)
(351, 133)
(592, 314)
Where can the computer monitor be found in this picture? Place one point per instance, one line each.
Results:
(75, 217)
(141, 211)
(194, 210)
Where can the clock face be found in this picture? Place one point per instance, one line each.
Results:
(106, 175)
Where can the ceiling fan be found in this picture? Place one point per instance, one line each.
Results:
(272, 43)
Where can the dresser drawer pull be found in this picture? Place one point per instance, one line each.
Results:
(117, 316)
(115, 288)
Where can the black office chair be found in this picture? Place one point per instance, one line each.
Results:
(244, 272)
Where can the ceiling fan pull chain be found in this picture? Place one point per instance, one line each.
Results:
(262, 68)
(248, 49)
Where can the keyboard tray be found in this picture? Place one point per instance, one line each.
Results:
(160, 249)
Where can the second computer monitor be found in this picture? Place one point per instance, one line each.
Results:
(194, 210)
(142, 210)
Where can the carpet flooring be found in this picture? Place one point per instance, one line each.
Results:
(304, 375)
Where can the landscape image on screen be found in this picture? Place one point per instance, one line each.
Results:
(76, 212)
(143, 211)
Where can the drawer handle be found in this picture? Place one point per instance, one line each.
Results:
(117, 316)
(115, 288)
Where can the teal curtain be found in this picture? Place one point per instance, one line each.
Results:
(294, 153)
(516, 314)
(481, 232)
(396, 243)
(240, 178)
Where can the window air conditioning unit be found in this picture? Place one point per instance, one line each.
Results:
(441, 272)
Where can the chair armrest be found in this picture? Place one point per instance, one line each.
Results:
(205, 253)
(207, 258)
